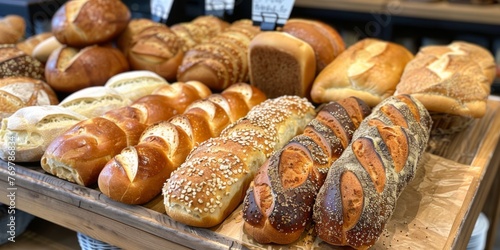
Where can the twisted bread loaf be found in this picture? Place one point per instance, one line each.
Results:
(361, 189)
(79, 154)
(222, 60)
(129, 179)
(278, 206)
(213, 180)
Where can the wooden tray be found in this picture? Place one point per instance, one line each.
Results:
(470, 162)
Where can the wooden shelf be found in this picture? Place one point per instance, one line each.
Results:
(440, 10)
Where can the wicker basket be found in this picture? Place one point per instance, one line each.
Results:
(89, 243)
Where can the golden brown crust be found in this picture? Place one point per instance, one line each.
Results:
(134, 27)
(453, 79)
(370, 70)
(28, 45)
(12, 29)
(323, 38)
(82, 23)
(67, 68)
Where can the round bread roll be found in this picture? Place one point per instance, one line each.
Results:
(157, 49)
(135, 84)
(12, 29)
(19, 92)
(94, 101)
(81, 23)
(134, 27)
(14, 62)
(323, 38)
(28, 45)
(42, 51)
(70, 69)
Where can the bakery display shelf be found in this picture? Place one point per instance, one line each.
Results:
(439, 10)
(436, 211)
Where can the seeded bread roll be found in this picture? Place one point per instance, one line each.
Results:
(278, 205)
(12, 29)
(281, 64)
(362, 187)
(81, 23)
(14, 62)
(128, 179)
(105, 136)
(19, 92)
(31, 129)
(370, 70)
(213, 180)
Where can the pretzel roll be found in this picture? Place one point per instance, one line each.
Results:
(80, 23)
(70, 69)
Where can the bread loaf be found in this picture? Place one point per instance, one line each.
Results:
(278, 205)
(12, 29)
(94, 101)
(213, 180)
(281, 64)
(28, 45)
(452, 79)
(79, 154)
(67, 69)
(19, 92)
(323, 38)
(158, 49)
(27, 133)
(128, 179)
(135, 84)
(199, 30)
(222, 60)
(43, 49)
(81, 23)
(135, 26)
(14, 62)
(370, 70)
(362, 187)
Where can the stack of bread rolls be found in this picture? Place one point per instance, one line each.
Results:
(128, 179)
(213, 180)
(279, 203)
(79, 153)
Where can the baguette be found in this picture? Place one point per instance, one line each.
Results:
(295, 173)
(130, 180)
(213, 180)
(361, 189)
(79, 154)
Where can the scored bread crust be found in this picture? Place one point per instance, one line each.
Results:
(79, 154)
(453, 79)
(370, 70)
(362, 187)
(213, 180)
(128, 179)
(278, 205)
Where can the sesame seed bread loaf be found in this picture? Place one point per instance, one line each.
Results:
(128, 179)
(362, 187)
(14, 62)
(278, 205)
(213, 180)
(79, 154)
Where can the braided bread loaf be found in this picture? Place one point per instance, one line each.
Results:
(79, 154)
(278, 206)
(128, 179)
(222, 60)
(361, 189)
(213, 180)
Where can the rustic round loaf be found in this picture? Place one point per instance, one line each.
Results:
(80, 23)
(70, 69)
(12, 29)
(19, 92)
(14, 62)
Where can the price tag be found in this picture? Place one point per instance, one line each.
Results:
(271, 13)
(219, 7)
(160, 9)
